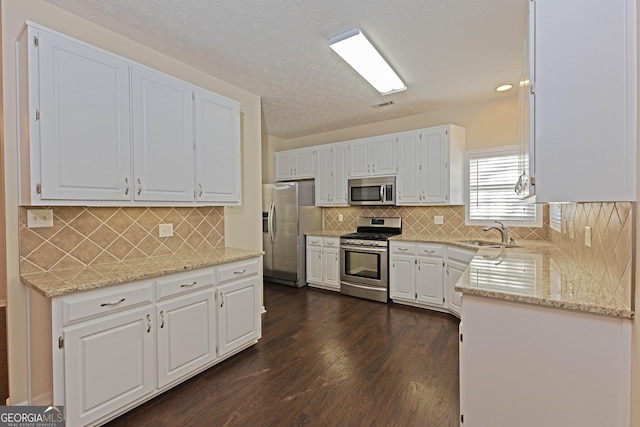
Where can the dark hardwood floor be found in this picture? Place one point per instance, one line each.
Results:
(324, 360)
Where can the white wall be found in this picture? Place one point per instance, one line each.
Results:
(242, 224)
(488, 124)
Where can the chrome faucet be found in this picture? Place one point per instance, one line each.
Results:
(502, 229)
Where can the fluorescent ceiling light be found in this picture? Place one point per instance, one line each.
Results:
(356, 50)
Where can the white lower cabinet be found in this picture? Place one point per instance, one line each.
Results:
(115, 347)
(108, 363)
(458, 260)
(416, 274)
(424, 274)
(238, 317)
(186, 335)
(530, 365)
(323, 262)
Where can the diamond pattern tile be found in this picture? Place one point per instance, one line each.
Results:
(94, 236)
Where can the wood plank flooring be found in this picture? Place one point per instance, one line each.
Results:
(325, 359)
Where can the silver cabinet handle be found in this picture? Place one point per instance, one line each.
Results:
(429, 252)
(188, 285)
(244, 270)
(161, 319)
(105, 304)
(126, 186)
(139, 187)
(201, 191)
(403, 249)
(148, 323)
(221, 299)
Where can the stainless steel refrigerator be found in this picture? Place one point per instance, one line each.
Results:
(288, 212)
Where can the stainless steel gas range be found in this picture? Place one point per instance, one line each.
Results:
(365, 272)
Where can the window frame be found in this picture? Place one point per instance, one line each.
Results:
(494, 152)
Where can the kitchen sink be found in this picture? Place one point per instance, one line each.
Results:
(486, 244)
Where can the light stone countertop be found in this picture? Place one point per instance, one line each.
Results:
(60, 282)
(326, 233)
(534, 272)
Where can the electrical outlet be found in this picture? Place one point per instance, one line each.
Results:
(438, 219)
(587, 236)
(165, 230)
(39, 218)
(340, 217)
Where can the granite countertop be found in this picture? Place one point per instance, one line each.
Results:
(533, 272)
(60, 282)
(541, 274)
(326, 233)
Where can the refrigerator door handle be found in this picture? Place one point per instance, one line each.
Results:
(272, 223)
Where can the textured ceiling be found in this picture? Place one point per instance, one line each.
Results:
(447, 51)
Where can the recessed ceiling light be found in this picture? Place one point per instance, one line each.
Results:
(504, 88)
(358, 52)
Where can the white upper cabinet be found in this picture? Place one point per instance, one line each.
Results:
(162, 137)
(217, 148)
(331, 175)
(373, 156)
(295, 164)
(431, 166)
(73, 106)
(98, 129)
(584, 85)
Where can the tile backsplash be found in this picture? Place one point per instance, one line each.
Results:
(609, 260)
(83, 236)
(419, 220)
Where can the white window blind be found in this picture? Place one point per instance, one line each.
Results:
(492, 175)
(555, 217)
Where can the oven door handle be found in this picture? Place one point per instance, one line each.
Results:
(364, 249)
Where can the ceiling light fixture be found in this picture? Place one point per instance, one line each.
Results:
(504, 88)
(358, 52)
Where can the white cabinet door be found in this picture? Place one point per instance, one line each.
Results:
(373, 156)
(217, 136)
(585, 83)
(455, 269)
(295, 164)
(186, 335)
(384, 155)
(339, 156)
(331, 267)
(434, 155)
(238, 314)
(430, 280)
(84, 122)
(324, 179)
(108, 363)
(403, 277)
(314, 264)
(409, 181)
(162, 137)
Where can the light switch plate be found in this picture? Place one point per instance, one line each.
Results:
(587, 236)
(39, 218)
(165, 230)
(340, 217)
(438, 219)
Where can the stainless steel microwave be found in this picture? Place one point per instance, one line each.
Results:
(376, 191)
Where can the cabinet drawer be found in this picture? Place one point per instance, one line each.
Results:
(105, 301)
(331, 243)
(401, 248)
(430, 250)
(237, 270)
(314, 241)
(180, 283)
